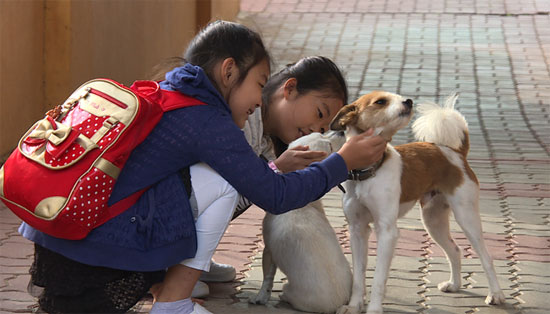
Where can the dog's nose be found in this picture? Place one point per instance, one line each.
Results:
(408, 103)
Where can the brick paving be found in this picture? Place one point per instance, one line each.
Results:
(496, 54)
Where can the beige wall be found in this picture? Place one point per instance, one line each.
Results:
(121, 40)
(50, 47)
(21, 68)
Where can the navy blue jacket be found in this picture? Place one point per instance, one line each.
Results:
(158, 231)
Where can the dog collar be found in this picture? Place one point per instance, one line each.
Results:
(364, 174)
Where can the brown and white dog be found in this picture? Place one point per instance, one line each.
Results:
(433, 171)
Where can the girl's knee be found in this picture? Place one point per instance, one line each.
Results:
(230, 192)
(204, 178)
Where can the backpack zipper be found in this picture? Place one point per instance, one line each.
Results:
(107, 97)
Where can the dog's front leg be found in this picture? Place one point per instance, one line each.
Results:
(386, 234)
(269, 269)
(359, 229)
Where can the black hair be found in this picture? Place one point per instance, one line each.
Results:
(219, 40)
(314, 73)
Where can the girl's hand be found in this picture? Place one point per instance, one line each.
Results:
(362, 150)
(297, 158)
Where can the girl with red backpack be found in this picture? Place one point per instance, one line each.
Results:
(116, 264)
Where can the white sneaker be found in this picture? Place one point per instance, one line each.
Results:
(200, 290)
(219, 273)
(198, 309)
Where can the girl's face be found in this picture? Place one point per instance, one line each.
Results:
(244, 98)
(293, 116)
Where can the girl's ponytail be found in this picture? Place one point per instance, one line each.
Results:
(220, 40)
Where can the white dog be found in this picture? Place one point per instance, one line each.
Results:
(304, 246)
(434, 172)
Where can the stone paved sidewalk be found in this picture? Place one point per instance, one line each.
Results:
(496, 55)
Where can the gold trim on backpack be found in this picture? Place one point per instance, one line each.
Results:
(2, 181)
(107, 167)
(50, 207)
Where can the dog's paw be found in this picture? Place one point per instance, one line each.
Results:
(495, 298)
(448, 286)
(347, 309)
(282, 297)
(261, 298)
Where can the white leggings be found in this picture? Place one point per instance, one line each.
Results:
(216, 200)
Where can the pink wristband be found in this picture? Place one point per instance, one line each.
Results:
(273, 167)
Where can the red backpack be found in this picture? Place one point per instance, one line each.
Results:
(61, 175)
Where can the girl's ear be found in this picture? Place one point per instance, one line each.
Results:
(229, 72)
(289, 88)
(347, 115)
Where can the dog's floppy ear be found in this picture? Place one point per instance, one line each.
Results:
(346, 115)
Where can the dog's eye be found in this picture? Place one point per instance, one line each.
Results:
(380, 101)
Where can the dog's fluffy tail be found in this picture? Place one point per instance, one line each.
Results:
(442, 125)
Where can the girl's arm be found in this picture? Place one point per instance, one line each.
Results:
(223, 147)
(298, 158)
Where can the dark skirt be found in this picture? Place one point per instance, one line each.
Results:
(73, 287)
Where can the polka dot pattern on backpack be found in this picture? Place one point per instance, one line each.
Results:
(89, 198)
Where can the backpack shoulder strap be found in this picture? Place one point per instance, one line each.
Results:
(174, 100)
(168, 100)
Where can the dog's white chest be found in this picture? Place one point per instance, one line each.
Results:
(378, 193)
